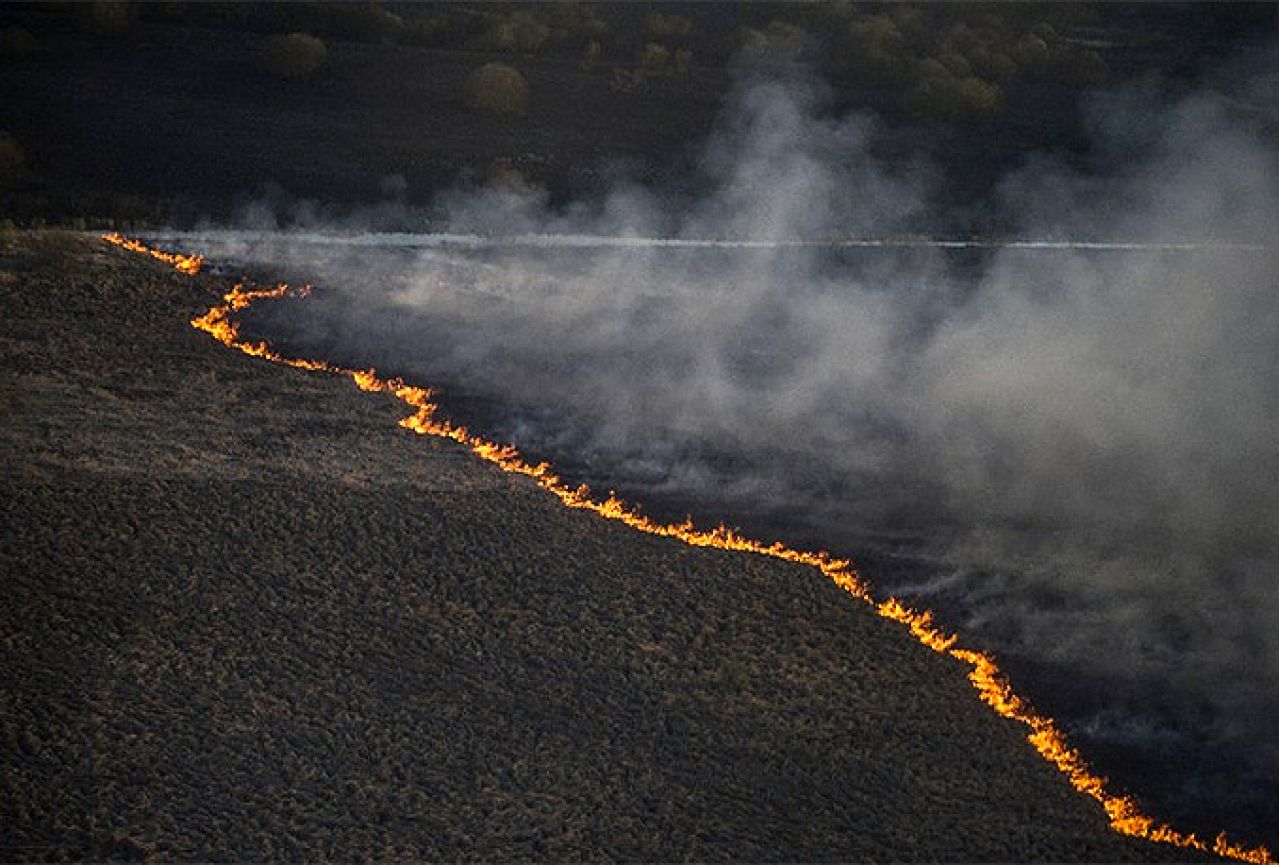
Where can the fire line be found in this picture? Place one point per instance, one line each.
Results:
(987, 679)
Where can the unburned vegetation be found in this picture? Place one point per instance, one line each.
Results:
(356, 93)
(498, 88)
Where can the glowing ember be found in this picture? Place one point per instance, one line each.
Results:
(987, 679)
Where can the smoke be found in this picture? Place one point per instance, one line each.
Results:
(1126, 404)
(1078, 444)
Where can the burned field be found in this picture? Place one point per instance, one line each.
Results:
(246, 616)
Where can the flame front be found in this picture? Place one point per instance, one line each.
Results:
(989, 681)
(188, 264)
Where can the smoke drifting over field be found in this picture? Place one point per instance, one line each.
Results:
(1079, 443)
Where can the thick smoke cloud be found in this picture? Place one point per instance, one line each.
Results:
(1080, 443)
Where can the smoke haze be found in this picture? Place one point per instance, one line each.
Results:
(1071, 452)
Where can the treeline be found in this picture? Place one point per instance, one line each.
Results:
(951, 59)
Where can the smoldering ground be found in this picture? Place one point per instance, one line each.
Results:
(1070, 451)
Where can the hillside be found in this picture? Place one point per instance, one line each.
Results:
(245, 616)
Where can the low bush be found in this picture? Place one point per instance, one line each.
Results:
(978, 98)
(779, 41)
(659, 27)
(938, 91)
(943, 61)
(625, 80)
(875, 33)
(785, 39)
(296, 55)
(503, 174)
(652, 58)
(956, 64)
(498, 88)
(1045, 32)
(432, 28)
(520, 31)
(1031, 54)
(574, 26)
(992, 65)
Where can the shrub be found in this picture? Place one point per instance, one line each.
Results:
(778, 41)
(667, 27)
(785, 39)
(876, 50)
(652, 58)
(992, 65)
(518, 31)
(956, 65)
(11, 160)
(627, 80)
(960, 38)
(297, 55)
(940, 92)
(909, 21)
(752, 44)
(931, 69)
(1045, 32)
(875, 33)
(978, 98)
(1031, 53)
(498, 88)
(881, 67)
(505, 175)
(591, 54)
(576, 23)
(838, 10)
(430, 29)
(16, 43)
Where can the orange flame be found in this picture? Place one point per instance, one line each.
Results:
(188, 264)
(987, 679)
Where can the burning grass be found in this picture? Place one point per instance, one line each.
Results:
(984, 674)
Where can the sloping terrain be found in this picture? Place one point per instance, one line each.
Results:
(244, 616)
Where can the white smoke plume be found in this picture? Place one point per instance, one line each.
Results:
(1079, 439)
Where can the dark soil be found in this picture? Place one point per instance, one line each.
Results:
(245, 616)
